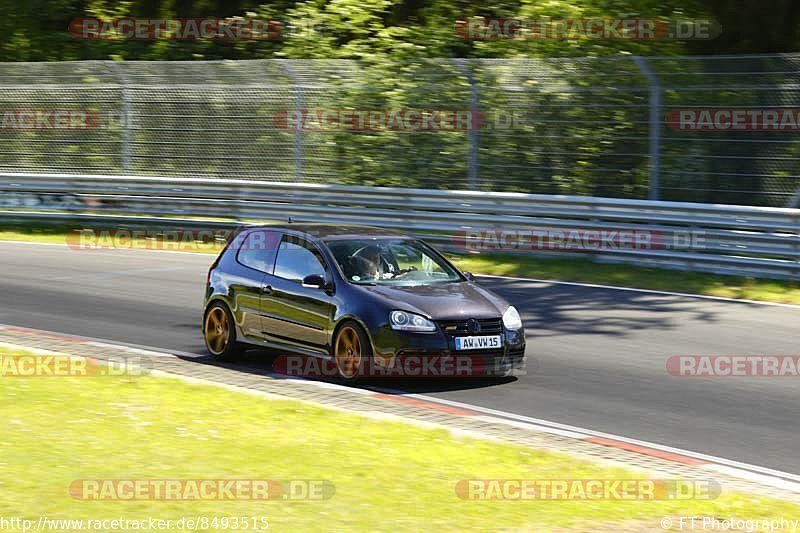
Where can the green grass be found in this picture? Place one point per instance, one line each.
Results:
(35, 233)
(585, 271)
(389, 476)
(580, 270)
(69, 234)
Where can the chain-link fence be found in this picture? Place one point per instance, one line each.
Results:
(674, 128)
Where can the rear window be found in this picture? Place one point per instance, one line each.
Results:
(258, 249)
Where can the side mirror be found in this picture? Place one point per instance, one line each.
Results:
(470, 276)
(314, 281)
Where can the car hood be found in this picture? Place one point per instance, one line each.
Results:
(443, 301)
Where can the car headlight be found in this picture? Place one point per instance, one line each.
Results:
(404, 321)
(511, 319)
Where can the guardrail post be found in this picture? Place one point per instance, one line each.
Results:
(299, 138)
(796, 218)
(126, 117)
(473, 178)
(655, 127)
(794, 201)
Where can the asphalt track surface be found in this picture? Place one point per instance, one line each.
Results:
(597, 357)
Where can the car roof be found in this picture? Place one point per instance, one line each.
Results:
(329, 231)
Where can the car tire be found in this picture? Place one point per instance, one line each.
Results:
(219, 333)
(351, 351)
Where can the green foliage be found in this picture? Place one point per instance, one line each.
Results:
(580, 127)
(399, 29)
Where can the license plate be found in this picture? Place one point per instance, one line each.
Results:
(478, 343)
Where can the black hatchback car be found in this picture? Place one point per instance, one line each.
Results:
(353, 295)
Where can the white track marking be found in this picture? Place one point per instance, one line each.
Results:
(762, 479)
(584, 433)
(525, 425)
(33, 351)
(519, 420)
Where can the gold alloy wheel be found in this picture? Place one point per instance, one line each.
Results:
(217, 330)
(348, 352)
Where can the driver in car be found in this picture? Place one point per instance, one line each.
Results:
(370, 264)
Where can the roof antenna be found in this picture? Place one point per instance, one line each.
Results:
(290, 220)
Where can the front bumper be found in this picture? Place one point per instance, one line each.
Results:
(396, 348)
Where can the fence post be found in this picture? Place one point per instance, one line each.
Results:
(297, 151)
(473, 176)
(126, 154)
(794, 201)
(655, 127)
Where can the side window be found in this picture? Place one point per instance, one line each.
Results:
(298, 259)
(258, 250)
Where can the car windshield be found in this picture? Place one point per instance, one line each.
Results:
(390, 262)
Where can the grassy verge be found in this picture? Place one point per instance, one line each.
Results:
(579, 270)
(69, 234)
(388, 476)
(768, 290)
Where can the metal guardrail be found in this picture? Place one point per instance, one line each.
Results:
(756, 241)
(596, 126)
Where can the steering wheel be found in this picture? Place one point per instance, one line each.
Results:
(404, 271)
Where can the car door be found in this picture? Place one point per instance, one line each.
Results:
(255, 259)
(294, 314)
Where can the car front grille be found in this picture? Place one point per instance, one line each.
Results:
(457, 328)
(485, 361)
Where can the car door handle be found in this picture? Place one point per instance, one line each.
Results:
(266, 289)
